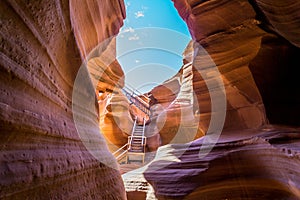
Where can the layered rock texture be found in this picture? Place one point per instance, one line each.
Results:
(244, 49)
(42, 45)
(261, 165)
(254, 45)
(238, 76)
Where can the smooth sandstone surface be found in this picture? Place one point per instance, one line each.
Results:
(261, 166)
(43, 44)
(254, 45)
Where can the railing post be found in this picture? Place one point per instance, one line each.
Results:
(144, 123)
(132, 132)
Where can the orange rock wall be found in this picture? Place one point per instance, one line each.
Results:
(255, 46)
(275, 66)
(230, 34)
(42, 46)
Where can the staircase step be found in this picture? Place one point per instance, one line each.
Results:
(137, 150)
(140, 141)
(137, 142)
(137, 139)
(137, 145)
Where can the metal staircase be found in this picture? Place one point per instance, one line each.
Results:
(135, 149)
(137, 144)
(138, 99)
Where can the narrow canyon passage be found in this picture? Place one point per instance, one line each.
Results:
(223, 126)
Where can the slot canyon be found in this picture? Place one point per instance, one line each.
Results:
(225, 126)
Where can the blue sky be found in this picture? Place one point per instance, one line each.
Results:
(151, 42)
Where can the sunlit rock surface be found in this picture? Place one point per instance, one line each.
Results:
(115, 119)
(43, 44)
(237, 40)
(261, 164)
(254, 45)
(174, 110)
(229, 33)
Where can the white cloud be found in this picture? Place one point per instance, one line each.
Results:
(135, 37)
(137, 61)
(139, 14)
(129, 29)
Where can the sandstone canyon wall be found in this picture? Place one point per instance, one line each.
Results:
(255, 45)
(42, 45)
(229, 32)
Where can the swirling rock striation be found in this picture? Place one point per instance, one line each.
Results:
(42, 46)
(240, 168)
(254, 46)
(230, 36)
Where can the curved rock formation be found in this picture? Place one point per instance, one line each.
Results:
(234, 169)
(45, 155)
(238, 44)
(115, 120)
(242, 37)
(283, 17)
(281, 51)
(107, 77)
(229, 33)
(42, 46)
(254, 46)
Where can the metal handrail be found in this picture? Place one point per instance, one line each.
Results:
(114, 153)
(121, 155)
(136, 96)
(144, 124)
(133, 129)
(135, 91)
